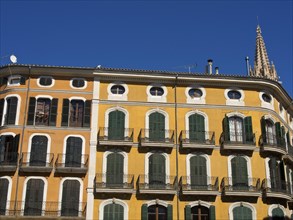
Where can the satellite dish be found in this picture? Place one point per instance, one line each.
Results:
(13, 58)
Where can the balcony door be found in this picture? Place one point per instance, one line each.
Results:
(4, 183)
(8, 149)
(157, 171)
(196, 128)
(277, 175)
(156, 127)
(242, 213)
(198, 172)
(115, 165)
(38, 154)
(113, 212)
(73, 152)
(70, 198)
(239, 173)
(116, 125)
(200, 213)
(34, 197)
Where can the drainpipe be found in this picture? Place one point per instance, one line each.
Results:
(22, 136)
(176, 143)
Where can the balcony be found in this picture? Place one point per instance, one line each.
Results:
(272, 144)
(197, 139)
(157, 185)
(36, 163)
(243, 187)
(289, 156)
(120, 183)
(199, 186)
(153, 138)
(72, 209)
(73, 164)
(238, 141)
(115, 137)
(8, 161)
(276, 189)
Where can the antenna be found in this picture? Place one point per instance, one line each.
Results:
(13, 58)
(257, 20)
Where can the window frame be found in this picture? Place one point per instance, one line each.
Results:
(73, 87)
(273, 206)
(82, 146)
(206, 121)
(111, 201)
(245, 204)
(152, 98)
(126, 119)
(264, 104)
(8, 198)
(17, 109)
(195, 100)
(117, 97)
(46, 86)
(13, 77)
(238, 102)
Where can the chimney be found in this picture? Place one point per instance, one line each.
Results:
(217, 70)
(247, 65)
(210, 66)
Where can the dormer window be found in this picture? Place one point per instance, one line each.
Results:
(266, 98)
(233, 94)
(15, 81)
(195, 93)
(157, 91)
(117, 90)
(45, 81)
(78, 83)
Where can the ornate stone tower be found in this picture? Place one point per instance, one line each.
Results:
(262, 66)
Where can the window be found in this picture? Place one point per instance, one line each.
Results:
(113, 212)
(278, 214)
(234, 94)
(42, 112)
(8, 149)
(46, 81)
(157, 91)
(70, 198)
(8, 110)
(196, 128)
(198, 172)
(266, 97)
(34, 197)
(156, 127)
(267, 100)
(195, 93)
(157, 212)
(277, 175)
(238, 129)
(239, 173)
(115, 167)
(38, 154)
(116, 125)
(76, 113)
(4, 184)
(15, 81)
(117, 90)
(78, 83)
(200, 211)
(157, 171)
(272, 133)
(242, 213)
(73, 156)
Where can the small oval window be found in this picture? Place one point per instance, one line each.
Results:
(157, 91)
(117, 89)
(266, 97)
(195, 93)
(233, 94)
(45, 81)
(78, 83)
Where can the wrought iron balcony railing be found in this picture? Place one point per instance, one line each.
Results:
(273, 140)
(117, 181)
(197, 137)
(45, 209)
(238, 138)
(115, 134)
(275, 186)
(157, 182)
(199, 183)
(73, 162)
(155, 136)
(243, 184)
(36, 160)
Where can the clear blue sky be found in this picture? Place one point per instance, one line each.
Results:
(153, 35)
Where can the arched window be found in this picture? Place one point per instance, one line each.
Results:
(34, 197)
(113, 212)
(242, 213)
(9, 110)
(73, 154)
(239, 173)
(38, 154)
(196, 128)
(157, 170)
(116, 130)
(199, 213)
(277, 174)
(278, 214)
(115, 170)
(4, 184)
(156, 127)
(70, 198)
(8, 149)
(157, 212)
(198, 172)
(272, 133)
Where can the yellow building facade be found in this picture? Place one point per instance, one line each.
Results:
(103, 143)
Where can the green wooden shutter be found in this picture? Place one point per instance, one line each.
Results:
(278, 133)
(169, 212)
(87, 114)
(38, 154)
(115, 164)
(196, 128)
(157, 174)
(273, 172)
(198, 172)
(70, 198)
(144, 212)
(263, 130)
(242, 213)
(113, 212)
(22, 80)
(239, 173)
(11, 110)
(31, 111)
(226, 128)
(4, 183)
(248, 134)
(277, 212)
(34, 197)
(283, 136)
(116, 125)
(53, 112)
(65, 112)
(15, 148)
(288, 139)
(187, 212)
(212, 212)
(1, 110)
(73, 152)
(156, 127)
